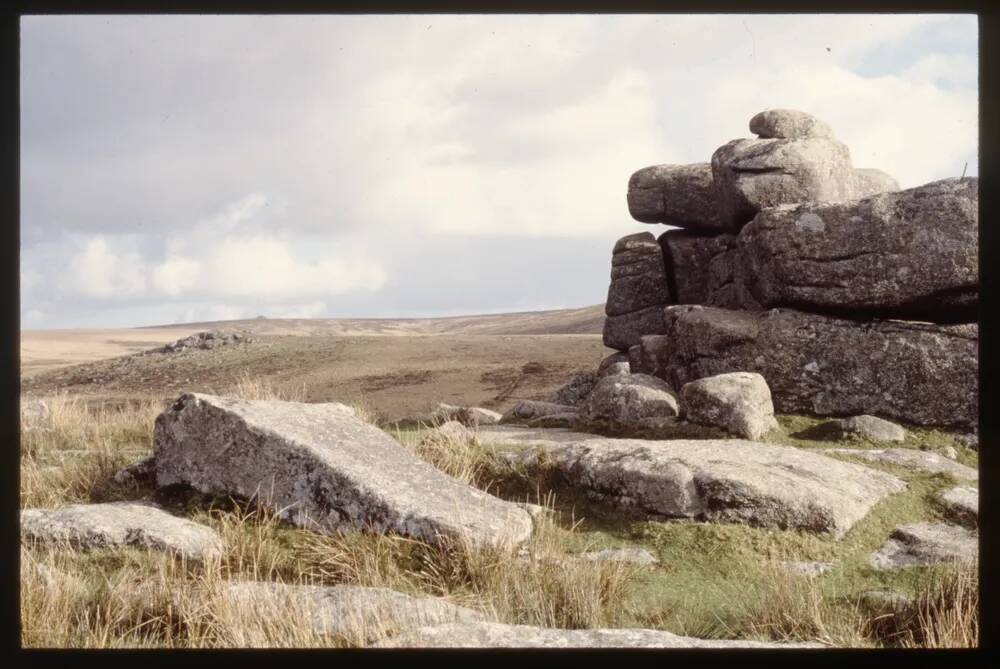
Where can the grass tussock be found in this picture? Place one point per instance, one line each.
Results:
(250, 387)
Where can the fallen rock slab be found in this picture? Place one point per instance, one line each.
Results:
(738, 402)
(680, 195)
(325, 469)
(498, 635)
(118, 525)
(720, 480)
(909, 457)
(910, 254)
(918, 373)
(926, 544)
(961, 505)
(526, 410)
(631, 555)
(348, 611)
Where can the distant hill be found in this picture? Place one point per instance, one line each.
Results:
(585, 320)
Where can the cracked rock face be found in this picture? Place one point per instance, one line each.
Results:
(919, 373)
(912, 254)
(325, 469)
(626, 400)
(121, 524)
(738, 402)
(498, 635)
(926, 544)
(349, 611)
(698, 266)
(637, 292)
(721, 480)
(680, 195)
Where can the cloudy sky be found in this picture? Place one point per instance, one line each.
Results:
(185, 168)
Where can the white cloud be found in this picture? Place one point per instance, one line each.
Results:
(97, 270)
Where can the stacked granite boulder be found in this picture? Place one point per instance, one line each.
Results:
(845, 293)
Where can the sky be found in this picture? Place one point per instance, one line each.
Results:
(190, 168)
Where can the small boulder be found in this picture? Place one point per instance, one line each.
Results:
(121, 524)
(739, 402)
(625, 400)
(574, 391)
(788, 124)
(614, 364)
(961, 505)
(526, 410)
(926, 544)
(871, 427)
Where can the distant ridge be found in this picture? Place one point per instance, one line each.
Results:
(584, 320)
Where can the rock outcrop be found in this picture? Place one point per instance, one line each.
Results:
(324, 469)
(909, 254)
(119, 525)
(920, 373)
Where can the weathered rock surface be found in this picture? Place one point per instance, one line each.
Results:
(348, 611)
(919, 373)
(753, 174)
(962, 505)
(616, 363)
(696, 263)
(121, 524)
(738, 402)
(868, 182)
(925, 544)
(205, 340)
(325, 468)
(638, 289)
(788, 124)
(807, 569)
(721, 480)
(907, 254)
(574, 391)
(498, 635)
(871, 427)
(499, 435)
(681, 195)
(628, 399)
(526, 410)
(631, 555)
(909, 457)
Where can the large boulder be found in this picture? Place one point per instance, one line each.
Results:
(719, 480)
(753, 174)
(909, 254)
(637, 292)
(689, 260)
(499, 635)
(118, 525)
(922, 544)
(626, 400)
(738, 402)
(356, 613)
(918, 373)
(788, 124)
(325, 469)
(681, 195)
